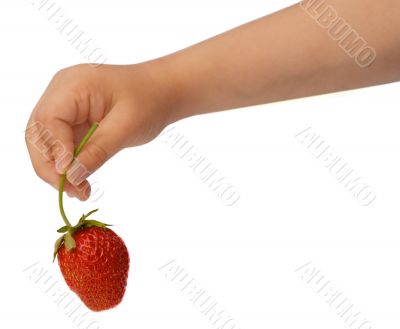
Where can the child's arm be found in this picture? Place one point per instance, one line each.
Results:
(281, 56)
(287, 55)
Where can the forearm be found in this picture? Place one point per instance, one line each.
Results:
(283, 56)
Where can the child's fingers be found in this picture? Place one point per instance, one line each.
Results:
(45, 169)
(108, 139)
(44, 147)
(82, 191)
(57, 113)
(62, 145)
(39, 149)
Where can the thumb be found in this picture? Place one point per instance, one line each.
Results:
(108, 140)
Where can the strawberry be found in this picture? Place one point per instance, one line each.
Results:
(93, 259)
(97, 266)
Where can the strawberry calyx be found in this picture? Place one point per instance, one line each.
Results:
(67, 238)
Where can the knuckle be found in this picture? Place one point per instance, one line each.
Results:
(72, 79)
(60, 74)
(43, 174)
(69, 72)
(97, 152)
(38, 171)
(33, 132)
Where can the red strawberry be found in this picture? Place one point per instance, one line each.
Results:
(93, 259)
(97, 264)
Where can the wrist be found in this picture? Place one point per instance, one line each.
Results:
(170, 87)
(160, 89)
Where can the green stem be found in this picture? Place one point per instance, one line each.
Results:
(64, 176)
(60, 200)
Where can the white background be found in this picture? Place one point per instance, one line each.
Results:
(292, 210)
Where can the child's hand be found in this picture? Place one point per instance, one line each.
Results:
(128, 103)
(282, 56)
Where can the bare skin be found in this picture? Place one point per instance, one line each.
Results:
(282, 56)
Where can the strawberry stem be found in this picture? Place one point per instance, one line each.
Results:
(64, 176)
(60, 200)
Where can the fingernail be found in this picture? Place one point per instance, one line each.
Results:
(86, 192)
(77, 173)
(70, 195)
